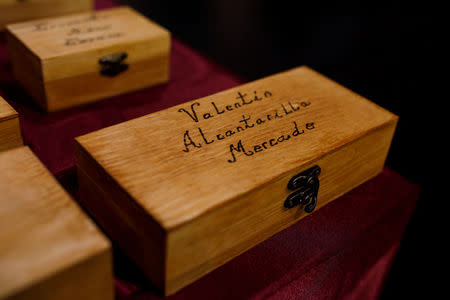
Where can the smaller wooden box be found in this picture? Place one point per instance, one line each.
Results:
(10, 135)
(188, 188)
(71, 60)
(12, 11)
(49, 249)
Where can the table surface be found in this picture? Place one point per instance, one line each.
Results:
(344, 250)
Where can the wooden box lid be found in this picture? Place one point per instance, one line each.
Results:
(64, 55)
(212, 174)
(17, 10)
(49, 248)
(10, 135)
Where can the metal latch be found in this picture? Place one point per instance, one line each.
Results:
(113, 64)
(306, 185)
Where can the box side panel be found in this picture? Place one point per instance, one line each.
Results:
(10, 135)
(139, 236)
(26, 69)
(148, 65)
(241, 224)
(90, 279)
(17, 11)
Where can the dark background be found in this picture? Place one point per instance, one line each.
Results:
(390, 59)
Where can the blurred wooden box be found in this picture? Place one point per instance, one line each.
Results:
(49, 248)
(10, 135)
(186, 189)
(72, 60)
(12, 11)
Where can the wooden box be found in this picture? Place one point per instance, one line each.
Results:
(186, 189)
(12, 11)
(71, 60)
(10, 135)
(49, 249)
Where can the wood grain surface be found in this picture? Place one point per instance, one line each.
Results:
(6, 111)
(49, 249)
(212, 174)
(10, 135)
(67, 50)
(13, 11)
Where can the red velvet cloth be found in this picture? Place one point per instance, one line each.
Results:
(342, 251)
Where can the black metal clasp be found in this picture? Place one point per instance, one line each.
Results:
(112, 65)
(306, 185)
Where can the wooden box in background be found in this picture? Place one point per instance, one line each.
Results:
(68, 61)
(49, 249)
(186, 189)
(12, 11)
(10, 135)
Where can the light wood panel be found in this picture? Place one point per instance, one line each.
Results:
(13, 11)
(212, 173)
(67, 51)
(10, 135)
(6, 111)
(49, 249)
